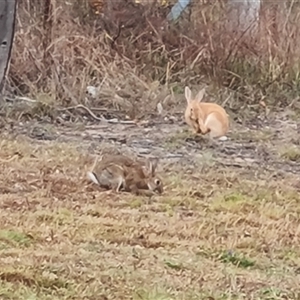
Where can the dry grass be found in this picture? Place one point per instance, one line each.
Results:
(291, 153)
(218, 234)
(150, 59)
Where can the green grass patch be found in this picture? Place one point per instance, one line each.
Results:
(291, 153)
(14, 238)
(237, 259)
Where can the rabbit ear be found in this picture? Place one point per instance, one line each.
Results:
(150, 167)
(154, 163)
(188, 94)
(200, 95)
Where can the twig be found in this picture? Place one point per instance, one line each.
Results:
(226, 100)
(96, 161)
(10, 159)
(112, 121)
(26, 99)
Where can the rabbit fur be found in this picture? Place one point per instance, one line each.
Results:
(204, 117)
(119, 171)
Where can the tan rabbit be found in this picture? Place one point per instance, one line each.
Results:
(119, 171)
(205, 117)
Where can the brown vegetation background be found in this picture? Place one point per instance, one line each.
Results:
(136, 59)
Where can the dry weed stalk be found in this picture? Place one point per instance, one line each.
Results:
(126, 48)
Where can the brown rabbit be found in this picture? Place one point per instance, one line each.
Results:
(120, 171)
(131, 163)
(205, 117)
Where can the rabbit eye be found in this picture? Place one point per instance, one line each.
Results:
(157, 181)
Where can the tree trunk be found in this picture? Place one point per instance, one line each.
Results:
(243, 15)
(177, 9)
(7, 28)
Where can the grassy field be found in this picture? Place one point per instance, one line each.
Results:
(226, 227)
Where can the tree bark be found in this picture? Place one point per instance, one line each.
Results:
(7, 29)
(177, 9)
(244, 15)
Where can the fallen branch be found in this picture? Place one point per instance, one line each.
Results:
(79, 106)
(112, 121)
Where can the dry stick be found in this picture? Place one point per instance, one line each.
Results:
(26, 99)
(10, 159)
(47, 31)
(96, 161)
(95, 117)
(226, 100)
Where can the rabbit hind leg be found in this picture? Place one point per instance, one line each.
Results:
(214, 123)
(118, 184)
